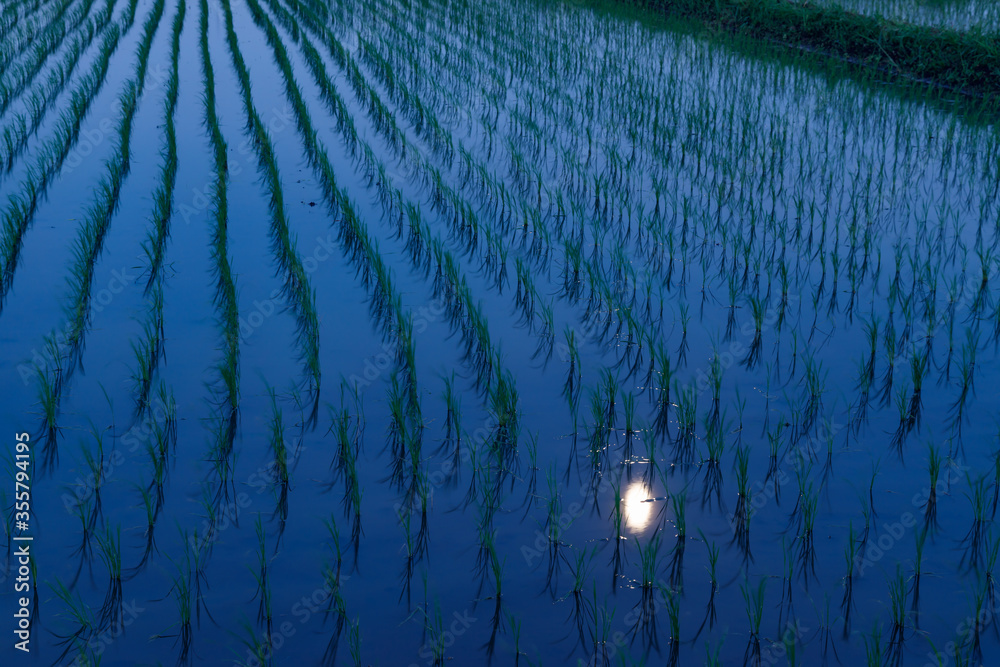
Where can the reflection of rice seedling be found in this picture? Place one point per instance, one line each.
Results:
(571, 388)
(934, 471)
(966, 375)
(580, 567)
(628, 404)
(714, 440)
(687, 416)
(182, 593)
(453, 417)
(742, 478)
(918, 562)
(552, 526)
(600, 631)
(504, 410)
(185, 600)
(264, 613)
(435, 633)
(151, 509)
(617, 513)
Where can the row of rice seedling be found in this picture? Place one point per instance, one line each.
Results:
(226, 301)
(90, 239)
(311, 14)
(23, 206)
(18, 75)
(502, 441)
(406, 426)
(24, 126)
(19, 41)
(360, 247)
(296, 280)
(148, 352)
(86, 250)
(13, 16)
(152, 494)
(759, 309)
(445, 200)
(465, 315)
(154, 246)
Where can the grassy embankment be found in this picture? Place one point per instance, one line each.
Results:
(965, 62)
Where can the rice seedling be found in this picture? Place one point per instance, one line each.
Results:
(109, 548)
(873, 648)
(354, 641)
(264, 610)
(278, 447)
(648, 560)
(80, 618)
(258, 649)
(48, 398)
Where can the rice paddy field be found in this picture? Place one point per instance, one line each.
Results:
(426, 332)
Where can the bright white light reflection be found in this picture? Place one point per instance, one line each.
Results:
(638, 509)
